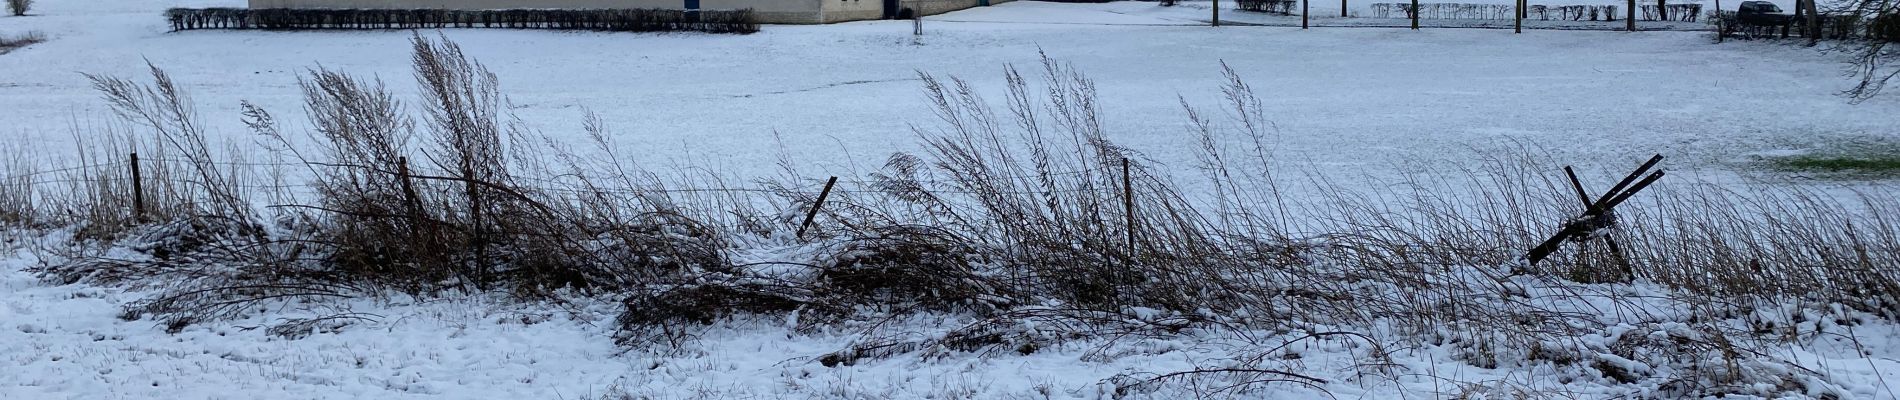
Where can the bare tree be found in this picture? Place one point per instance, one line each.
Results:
(1873, 57)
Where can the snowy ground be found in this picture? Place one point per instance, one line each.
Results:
(66, 342)
(1358, 100)
(843, 96)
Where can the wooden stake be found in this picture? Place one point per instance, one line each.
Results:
(1342, 9)
(813, 214)
(1627, 179)
(1216, 12)
(409, 191)
(1305, 6)
(1622, 262)
(1581, 194)
(1128, 205)
(1600, 208)
(1633, 189)
(138, 191)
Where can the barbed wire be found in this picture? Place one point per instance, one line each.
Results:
(581, 185)
(35, 173)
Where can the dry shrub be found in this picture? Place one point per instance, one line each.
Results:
(666, 316)
(914, 269)
(375, 222)
(1049, 201)
(19, 7)
(201, 243)
(19, 206)
(464, 220)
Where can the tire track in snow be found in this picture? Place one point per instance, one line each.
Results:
(829, 86)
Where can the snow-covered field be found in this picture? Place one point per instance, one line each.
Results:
(840, 98)
(844, 96)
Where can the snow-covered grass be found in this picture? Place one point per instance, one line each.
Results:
(1399, 296)
(65, 342)
(10, 42)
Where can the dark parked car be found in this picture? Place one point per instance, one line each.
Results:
(1762, 13)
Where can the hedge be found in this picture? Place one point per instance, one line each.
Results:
(1269, 6)
(620, 20)
(1495, 11)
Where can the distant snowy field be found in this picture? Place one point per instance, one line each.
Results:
(842, 97)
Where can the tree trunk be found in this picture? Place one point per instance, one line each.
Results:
(1814, 21)
(1415, 15)
(1629, 22)
(1216, 12)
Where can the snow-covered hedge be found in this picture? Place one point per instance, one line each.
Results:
(1270, 6)
(633, 20)
(1495, 11)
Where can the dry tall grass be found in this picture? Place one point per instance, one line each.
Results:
(10, 42)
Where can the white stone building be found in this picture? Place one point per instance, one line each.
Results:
(768, 11)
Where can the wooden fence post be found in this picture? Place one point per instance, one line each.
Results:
(1597, 214)
(1305, 6)
(138, 191)
(1342, 9)
(1128, 205)
(409, 191)
(813, 214)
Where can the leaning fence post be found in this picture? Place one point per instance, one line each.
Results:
(1599, 214)
(138, 191)
(813, 214)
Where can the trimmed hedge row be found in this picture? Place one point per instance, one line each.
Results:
(619, 20)
(1269, 6)
(1677, 12)
(1494, 11)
